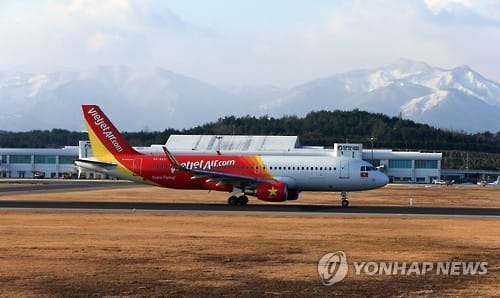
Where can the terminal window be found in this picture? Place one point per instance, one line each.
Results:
(20, 159)
(402, 179)
(420, 179)
(67, 159)
(45, 159)
(400, 163)
(426, 164)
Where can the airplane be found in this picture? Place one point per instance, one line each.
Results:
(271, 178)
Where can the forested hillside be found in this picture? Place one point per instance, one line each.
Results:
(316, 128)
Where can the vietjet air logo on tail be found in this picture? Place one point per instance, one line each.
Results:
(105, 131)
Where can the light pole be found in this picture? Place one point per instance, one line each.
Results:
(371, 140)
(219, 138)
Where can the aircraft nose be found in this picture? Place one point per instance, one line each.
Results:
(383, 179)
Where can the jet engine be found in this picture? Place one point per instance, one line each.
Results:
(272, 191)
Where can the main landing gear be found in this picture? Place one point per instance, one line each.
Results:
(234, 200)
(345, 201)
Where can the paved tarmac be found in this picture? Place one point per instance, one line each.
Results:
(248, 209)
(41, 186)
(9, 186)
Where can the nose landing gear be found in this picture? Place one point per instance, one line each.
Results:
(345, 201)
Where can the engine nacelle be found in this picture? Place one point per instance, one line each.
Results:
(272, 191)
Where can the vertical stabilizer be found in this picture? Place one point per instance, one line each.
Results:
(105, 139)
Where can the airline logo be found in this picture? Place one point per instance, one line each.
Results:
(363, 175)
(99, 121)
(207, 165)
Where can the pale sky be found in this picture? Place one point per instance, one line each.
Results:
(280, 42)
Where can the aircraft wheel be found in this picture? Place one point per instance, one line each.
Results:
(345, 202)
(233, 200)
(242, 200)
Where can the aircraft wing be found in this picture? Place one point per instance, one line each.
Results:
(226, 178)
(212, 176)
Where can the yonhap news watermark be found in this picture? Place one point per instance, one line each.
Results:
(333, 268)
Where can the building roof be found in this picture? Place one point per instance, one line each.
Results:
(389, 154)
(240, 143)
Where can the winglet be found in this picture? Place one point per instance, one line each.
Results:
(172, 159)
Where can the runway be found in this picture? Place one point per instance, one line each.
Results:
(9, 186)
(248, 209)
(12, 187)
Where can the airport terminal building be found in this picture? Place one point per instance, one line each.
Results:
(401, 167)
(38, 163)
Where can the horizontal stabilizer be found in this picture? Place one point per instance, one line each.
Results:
(95, 163)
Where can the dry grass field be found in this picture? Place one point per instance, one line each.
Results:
(139, 254)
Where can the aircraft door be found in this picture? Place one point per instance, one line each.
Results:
(137, 167)
(344, 169)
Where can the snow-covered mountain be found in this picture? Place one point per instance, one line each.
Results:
(152, 99)
(155, 99)
(458, 99)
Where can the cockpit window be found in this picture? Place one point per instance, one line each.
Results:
(367, 168)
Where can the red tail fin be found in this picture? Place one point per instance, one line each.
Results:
(104, 137)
